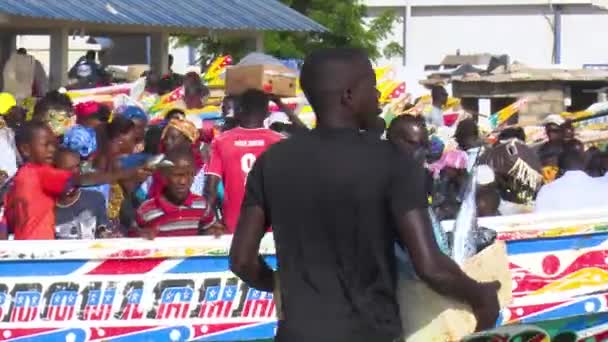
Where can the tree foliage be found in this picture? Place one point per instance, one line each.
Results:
(346, 23)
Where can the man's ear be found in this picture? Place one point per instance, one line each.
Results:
(24, 150)
(347, 97)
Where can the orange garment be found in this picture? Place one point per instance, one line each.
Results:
(30, 207)
(550, 173)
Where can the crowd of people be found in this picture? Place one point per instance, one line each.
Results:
(108, 142)
(337, 197)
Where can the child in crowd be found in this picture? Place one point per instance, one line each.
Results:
(176, 211)
(55, 109)
(36, 187)
(488, 201)
(79, 214)
(549, 154)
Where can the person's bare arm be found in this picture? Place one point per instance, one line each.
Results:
(295, 120)
(245, 260)
(96, 178)
(211, 193)
(441, 273)
(409, 207)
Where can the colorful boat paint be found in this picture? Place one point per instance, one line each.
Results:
(182, 290)
(166, 290)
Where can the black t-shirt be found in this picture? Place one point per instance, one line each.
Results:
(331, 196)
(82, 219)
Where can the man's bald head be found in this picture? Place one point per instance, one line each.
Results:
(340, 79)
(409, 134)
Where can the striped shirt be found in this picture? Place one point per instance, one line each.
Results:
(168, 219)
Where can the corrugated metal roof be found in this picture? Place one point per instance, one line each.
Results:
(478, 59)
(520, 73)
(187, 14)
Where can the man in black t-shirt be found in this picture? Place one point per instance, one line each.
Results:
(337, 202)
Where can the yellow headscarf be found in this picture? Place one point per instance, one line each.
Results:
(7, 101)
(185, 126)
(550, 173)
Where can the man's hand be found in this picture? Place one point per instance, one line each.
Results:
(147, 233)
(142, 173)
(277, 100)
(486, 308)
(217, 230)
(3, 176)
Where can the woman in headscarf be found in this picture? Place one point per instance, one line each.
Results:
(83, 140)
(140, 119)
(450, 174)
(92, 114)
(180, 132)
(118, 143)
(56, 110)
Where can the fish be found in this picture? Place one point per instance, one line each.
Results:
(158, 161)
(464, 245)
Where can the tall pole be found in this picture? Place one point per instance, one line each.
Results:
(557, 34)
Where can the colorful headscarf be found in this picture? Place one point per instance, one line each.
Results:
(82, 140)
(86, 109)
(132, 113)
(59, 120)
(550, 173)
(7, 101)
(437, 147)
(186, 127)
(456, 159)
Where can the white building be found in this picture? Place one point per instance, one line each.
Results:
(523, 29)
(39, 47)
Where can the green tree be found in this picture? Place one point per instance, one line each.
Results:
(346, 26)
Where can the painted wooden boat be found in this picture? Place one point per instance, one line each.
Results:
(177, 289)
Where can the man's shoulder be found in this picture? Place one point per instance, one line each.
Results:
(294, 142)
(272, 135)
(223, 136)
(26, 173)
(198, 202)
(148, 206)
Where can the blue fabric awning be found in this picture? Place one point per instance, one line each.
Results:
(221, 15)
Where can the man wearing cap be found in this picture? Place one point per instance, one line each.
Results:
(552, 127)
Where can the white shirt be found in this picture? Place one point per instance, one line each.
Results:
(574, 190)
(435, 117)
(8, 152)
(276, 117)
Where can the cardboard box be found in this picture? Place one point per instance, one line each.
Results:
(429, 317)
(272, 79)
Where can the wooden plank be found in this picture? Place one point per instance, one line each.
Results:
(427, 316)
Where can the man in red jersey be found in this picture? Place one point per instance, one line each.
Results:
(234, 152)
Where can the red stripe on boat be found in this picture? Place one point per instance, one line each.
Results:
(137, 266)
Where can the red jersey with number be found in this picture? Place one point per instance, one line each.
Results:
(232, 156)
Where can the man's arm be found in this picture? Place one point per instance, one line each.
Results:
(438, 271)
(441, 273)
(214, 174)
(56, 182)
(245, 260)
(211, 193)
(295, 120)
(110, 177)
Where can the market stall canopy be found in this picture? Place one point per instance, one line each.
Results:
(176, 15)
